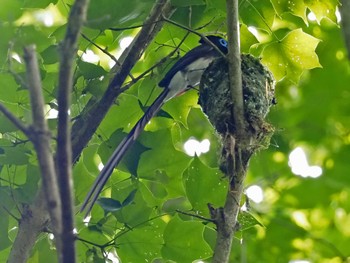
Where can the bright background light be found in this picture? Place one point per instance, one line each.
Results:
(300, 166)
(90, 56)
(194, 147)
(125, 42)
(311, 16)
(255, 193)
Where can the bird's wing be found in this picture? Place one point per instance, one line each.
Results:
(187, 59)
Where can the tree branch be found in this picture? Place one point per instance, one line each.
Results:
(234, 65)
(41, 138)
(226, 217)
(34, 219)
(36, 216)
(93, 114)
(344, 9)
(17, 122)
(64, 148)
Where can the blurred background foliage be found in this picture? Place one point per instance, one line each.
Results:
(297, 207)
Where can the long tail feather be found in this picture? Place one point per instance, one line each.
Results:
(120, 151)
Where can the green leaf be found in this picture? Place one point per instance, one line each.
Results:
(11, 11)
(180, 107)
(14, 155)
(323, 9)
(163, 160)
(90, 70)
(259, 14)
(290, 56)
(296, 7)
(38, 3)
(129, 198)
(187, 2)
(181, 236)
(247, 39)
(149, 241)
(109, 204)
(50, 54)
(4, 221)
(204, 185)
(134, 214)
(246, 220)
(108, 13)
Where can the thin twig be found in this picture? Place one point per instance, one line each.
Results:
(196, 216)
(105, 52)
(196, 33)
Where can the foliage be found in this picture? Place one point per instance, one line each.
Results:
(299, 217)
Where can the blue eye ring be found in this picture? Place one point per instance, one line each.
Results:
(223, 42)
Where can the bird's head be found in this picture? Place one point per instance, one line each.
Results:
(220, 42)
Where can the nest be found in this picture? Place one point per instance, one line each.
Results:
(258, 95)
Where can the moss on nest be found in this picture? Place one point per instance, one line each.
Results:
(215, 95)
(216, 101)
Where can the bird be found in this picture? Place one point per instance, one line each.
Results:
(185, 74)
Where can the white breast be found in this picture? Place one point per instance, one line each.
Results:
(189, 77)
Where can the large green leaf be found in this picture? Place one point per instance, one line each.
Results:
(290, 56)
(183, 241)
(296, 7)
(204, 185)
(259, 14)
(323, 8)
(142, 243)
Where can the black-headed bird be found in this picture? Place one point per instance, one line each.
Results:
(186, 73)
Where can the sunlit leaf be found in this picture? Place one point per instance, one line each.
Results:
(259, 14)
(290, 56)
(246, 220)
(323, 8)
(296, 7)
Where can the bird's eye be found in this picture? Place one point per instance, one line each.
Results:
(223, 42)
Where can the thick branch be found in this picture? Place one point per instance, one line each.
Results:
(226, 217)
(36, 216)
(41, 138)
(216, 102)
(345, 21)
(93, 114)
(234, 65)
(64, 148)
(34, 219)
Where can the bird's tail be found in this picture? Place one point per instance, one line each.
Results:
(120, 151)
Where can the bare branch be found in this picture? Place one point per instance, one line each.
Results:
(41, 137)
(35, 217)
(234, 65)
(17, 122)
(64, 148)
